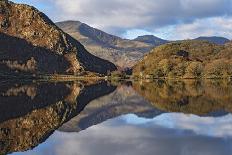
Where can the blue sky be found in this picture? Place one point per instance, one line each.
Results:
(168, 19)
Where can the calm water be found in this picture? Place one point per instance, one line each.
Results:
(159, 117)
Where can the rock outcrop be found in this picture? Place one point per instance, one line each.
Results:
(31, 42)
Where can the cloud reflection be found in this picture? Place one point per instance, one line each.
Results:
(167, 134)
(209, 126)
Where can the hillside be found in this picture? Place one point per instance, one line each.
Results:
(150, 39)
(32, 43)
(186, 59)
(122, 52)
(214, 39)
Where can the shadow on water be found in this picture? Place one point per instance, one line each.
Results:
(31, 112)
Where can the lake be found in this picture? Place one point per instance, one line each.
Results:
(120, 118)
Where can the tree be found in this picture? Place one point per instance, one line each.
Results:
(194, 70)
(165, 66)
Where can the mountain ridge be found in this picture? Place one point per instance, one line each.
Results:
(214, 39)
(123, 52)
(151, 39)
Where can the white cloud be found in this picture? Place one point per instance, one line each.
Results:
(217, 26)
(187, 18)
(204, 126)
(121, 15)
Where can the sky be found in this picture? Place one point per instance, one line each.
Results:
(168, 19)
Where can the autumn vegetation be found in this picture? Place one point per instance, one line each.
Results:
(186, 60)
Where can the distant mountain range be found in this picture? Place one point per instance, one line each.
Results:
(122, 52)
(150, 39)
(214, 39)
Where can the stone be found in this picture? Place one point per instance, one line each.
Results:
(4, 23)
(183, 53)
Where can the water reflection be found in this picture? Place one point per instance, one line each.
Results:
(124, 100)
(194, 97)
(130, 135)
(96, 118)
(31, 112)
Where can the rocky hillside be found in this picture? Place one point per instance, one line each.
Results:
(31, 42)
(122, 52)
(186, 59)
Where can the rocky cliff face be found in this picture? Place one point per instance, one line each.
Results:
(31, 42)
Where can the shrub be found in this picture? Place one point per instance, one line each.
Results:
(194, 70)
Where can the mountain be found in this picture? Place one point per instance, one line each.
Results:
(214, 39)
(150, 39)
(186, 59)
(32, 43)
(122, 52)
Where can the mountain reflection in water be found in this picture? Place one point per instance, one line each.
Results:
(159, 117)
(30, 113)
